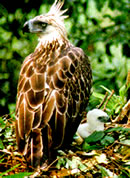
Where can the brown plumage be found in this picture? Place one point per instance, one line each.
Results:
(53, 89)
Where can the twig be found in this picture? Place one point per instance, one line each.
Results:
(116, 142)
(46, 169)
(104, 99)
(6, 115)
(124, 112)
(122, 144)
(108, 100)
(6, 151)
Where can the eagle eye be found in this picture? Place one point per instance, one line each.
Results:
(44, 24)
(41, 24)
(104, 119)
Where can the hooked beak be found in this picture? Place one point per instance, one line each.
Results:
(34, 26)
(31, 26)
(105, 119)
(26, 27)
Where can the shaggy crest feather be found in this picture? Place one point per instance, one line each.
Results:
(56, 10)
(56, 18)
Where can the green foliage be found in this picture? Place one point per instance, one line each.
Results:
(101, 28)
(114, 104)
(71, 163)
(107, 140)
(20, 175)
(9, 170)
(118, 129)
(103, 171)
(94, 137)
(101, 139)
(98, 154)
(103, 34)
(7, 136)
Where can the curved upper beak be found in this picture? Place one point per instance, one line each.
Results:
(105, 119)
(32, 26)
(26, 27)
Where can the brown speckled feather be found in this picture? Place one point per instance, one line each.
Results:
(53, 91)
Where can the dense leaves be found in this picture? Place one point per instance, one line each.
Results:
(6, 132)
(101, 28)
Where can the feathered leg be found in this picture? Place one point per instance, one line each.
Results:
(35, 147)
(38, 147)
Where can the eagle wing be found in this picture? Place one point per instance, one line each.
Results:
(54, 86)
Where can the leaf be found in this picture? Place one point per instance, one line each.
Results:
(95, 136)
(9, 170)
(86, 146)
(1, 145)
(101, 158)
(109, 91)
(1, 160)
(82, 167)
(61, 162)
(103, 171)
(107, 140)
(98, 95)
(117, 129)
(127, 142)
(2, 124)
(70, 165)
(123, 91)
(8, 132)
(124, 174)
(20, 175)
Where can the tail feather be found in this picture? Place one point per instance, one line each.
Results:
(34, 152)
(38, 146)
(20, 141)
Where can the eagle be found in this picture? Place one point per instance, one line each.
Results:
(53, 89)
(96, 118)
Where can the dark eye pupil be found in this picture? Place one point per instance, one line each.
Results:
(103, 118)
(44, 25)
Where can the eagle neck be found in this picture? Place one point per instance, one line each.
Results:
(53, 45)
(45, 51)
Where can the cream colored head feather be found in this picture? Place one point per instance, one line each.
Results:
(49, 27)
(56, 10)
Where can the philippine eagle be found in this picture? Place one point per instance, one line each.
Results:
(96, 119)
(53, 89)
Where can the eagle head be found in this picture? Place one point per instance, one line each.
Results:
(50, 26)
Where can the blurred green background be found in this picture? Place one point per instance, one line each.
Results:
(100, 27)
